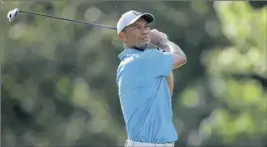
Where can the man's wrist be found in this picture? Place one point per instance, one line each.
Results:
(164, 45)
(163, 42)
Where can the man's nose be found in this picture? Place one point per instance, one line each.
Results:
(145, 30)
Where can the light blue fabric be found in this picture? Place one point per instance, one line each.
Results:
(145, 96)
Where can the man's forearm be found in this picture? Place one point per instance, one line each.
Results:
(172, 47)
(175, 49)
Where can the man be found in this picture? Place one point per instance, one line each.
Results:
(145, 81)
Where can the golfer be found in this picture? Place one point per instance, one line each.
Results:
(145, 81)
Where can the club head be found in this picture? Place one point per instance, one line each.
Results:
(11, 15)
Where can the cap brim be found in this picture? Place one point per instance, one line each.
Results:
(146, 16)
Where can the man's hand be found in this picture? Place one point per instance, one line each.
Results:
(159, 39)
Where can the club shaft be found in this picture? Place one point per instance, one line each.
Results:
(72, 20)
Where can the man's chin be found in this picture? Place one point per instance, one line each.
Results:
(144, 45)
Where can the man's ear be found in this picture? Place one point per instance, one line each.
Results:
(121, 36)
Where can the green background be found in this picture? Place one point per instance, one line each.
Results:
(58, 83)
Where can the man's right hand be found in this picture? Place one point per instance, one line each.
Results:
(158, 38)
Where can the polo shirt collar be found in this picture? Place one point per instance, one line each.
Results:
(128, 51)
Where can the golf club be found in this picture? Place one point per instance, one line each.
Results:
(12, 14)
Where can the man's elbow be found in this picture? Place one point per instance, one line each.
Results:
(184, 60)
(179, 61)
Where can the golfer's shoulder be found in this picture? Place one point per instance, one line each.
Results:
(152, 53)
(128, 61)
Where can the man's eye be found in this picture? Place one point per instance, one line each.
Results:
(147, 26)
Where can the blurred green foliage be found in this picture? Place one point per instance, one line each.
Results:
(58, 78)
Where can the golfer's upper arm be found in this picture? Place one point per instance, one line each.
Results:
(157, 63)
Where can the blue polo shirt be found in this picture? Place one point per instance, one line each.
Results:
(144, 95)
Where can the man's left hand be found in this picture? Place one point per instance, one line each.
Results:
(158, 38)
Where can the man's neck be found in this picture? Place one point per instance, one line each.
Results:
(141, 47)
(136, 47)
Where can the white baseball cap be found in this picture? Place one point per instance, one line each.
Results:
(131, 17)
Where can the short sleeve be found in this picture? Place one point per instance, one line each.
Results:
(157, 63)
